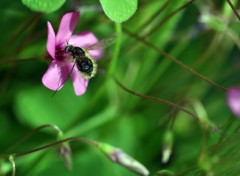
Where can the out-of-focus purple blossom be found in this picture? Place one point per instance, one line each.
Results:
(233, 99)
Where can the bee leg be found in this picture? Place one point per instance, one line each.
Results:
(69, 74)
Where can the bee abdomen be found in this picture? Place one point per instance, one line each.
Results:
(86, 67)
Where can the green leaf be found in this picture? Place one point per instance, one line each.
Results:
(120, 10)
(36, 106)
(46, 6)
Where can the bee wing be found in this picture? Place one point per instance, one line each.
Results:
(104, 43)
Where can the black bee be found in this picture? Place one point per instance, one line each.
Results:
(86, 63)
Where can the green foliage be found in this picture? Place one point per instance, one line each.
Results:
(41, 108)
(46, 6)
(201, 34)
(119, 11)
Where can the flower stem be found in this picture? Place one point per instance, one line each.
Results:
(88, 141)
(164, 20)
(26, 137)
(233, 8)
(153, 17)
(159, 100)
(100, 91)
(114, 60)
(176, 61)
(11, 159)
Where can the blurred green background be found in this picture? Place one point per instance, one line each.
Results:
(202, 34)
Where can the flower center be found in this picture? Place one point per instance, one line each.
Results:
(61, 54)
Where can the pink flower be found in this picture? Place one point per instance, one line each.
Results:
(61, 66)
(233, 98)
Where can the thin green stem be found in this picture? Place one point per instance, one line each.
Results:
(7, 61)
(172, 119)
(101, 89)
(85, 109)
(113, 64)
(164, 20)
(212, 48)
(228, 126)
(30, 26)
(159, 100)
(173, 59)
(95, 121)
(25, 26)
(156, 14)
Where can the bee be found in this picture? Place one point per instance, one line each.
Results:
(85, 63)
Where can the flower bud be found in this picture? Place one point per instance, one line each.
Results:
(167, 146)
(205, 123)
(164, 173)
(119, 157)
(65, 152)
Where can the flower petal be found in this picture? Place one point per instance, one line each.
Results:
(86, 39)
(51, 40)
(79, 83)
(233, 98)
(66, 27)
(55, 76)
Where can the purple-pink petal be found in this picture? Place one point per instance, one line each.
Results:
(79, 83)
(59, 69)
(51, 41)
(233, 98)
(56, 75)
(67, 25)
(84, 40)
